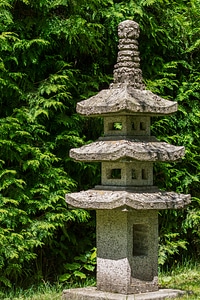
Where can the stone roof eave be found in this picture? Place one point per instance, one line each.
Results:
(126, 100)
(114, 150)
(112, 199)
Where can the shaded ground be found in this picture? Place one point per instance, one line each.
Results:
(185, 277)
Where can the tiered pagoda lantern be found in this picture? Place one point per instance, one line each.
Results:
(126, 202)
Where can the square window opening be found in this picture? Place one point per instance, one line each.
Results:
(140, 239)
(133, 126)
(134, 174)
(115, 174)
(142, 126)
(144, 174)
(115, 126)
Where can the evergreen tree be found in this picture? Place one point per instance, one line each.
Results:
(57, 52)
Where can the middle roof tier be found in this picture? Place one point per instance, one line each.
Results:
(127, 148)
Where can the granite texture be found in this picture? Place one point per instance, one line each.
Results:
(134, 149)
(126, 251)
(130, 126)
(126, 202)
(128, 173)
(125, 99)
(127, 94)
(124, 199)
(127, 69)
(91, 293)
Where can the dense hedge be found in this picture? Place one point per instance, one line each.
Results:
(54, 53)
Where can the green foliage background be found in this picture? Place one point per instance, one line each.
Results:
(54, 53)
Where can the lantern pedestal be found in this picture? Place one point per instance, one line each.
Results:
(92, 293)
(127, 251)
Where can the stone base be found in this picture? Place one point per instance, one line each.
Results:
(91, 293)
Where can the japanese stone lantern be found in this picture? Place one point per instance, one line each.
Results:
(126, 202)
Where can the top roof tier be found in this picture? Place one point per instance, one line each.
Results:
(127, 94)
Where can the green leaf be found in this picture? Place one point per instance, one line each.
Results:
(72, 266)
(89, 267)
(79, 274)
(94, 254)
(64, 277)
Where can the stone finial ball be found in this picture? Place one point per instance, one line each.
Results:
(128, 29)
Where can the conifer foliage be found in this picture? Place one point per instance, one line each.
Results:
(54, 53)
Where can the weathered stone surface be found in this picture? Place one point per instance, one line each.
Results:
(127, 94)
(126, 41)
(126, 72)
(121, 99)
(127, 173)
(131, 127)
(127, 57)
(134, 149)
(126, 202)
(128, 29)
(125, 199)
(123, 53)
(91, 293)
(127, 252)
(127, 64)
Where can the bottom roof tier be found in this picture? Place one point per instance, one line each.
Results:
(127, 198)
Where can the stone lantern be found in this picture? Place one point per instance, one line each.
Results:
(126, 202)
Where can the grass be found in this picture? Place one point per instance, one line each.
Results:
(44, 291)
(185, 277)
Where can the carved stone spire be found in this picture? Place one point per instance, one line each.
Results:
(127, 70)
(127, 94)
